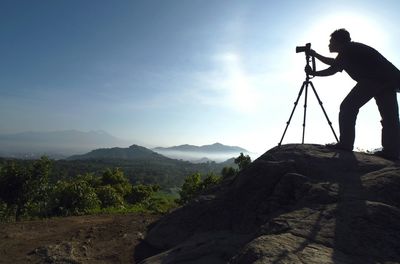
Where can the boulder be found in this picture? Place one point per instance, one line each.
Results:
(297, 203)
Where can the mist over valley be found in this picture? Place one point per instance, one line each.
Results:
(68, 143)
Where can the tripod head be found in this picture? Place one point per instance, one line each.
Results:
(309, 58)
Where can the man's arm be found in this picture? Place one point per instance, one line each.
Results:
(326, 60)
(327, 72)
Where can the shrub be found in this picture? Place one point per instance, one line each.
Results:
(228, 172)
(109, 197)
(242, 161)
(116, 179)
(193, 185)
(73, 198)
(25, 188)
(140, 193)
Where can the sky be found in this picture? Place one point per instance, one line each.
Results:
(171, 72)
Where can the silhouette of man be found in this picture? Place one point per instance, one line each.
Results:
(376, 78)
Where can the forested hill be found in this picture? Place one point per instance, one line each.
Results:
(140, 165)
(134, 152)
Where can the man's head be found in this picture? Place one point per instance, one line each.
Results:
(339, 39)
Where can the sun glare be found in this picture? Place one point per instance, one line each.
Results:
(240, 93)
(361, 28)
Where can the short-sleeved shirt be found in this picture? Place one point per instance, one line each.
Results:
(362, 62)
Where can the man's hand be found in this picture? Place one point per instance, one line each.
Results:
(309, 70)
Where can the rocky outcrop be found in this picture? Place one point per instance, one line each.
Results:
(294, 204)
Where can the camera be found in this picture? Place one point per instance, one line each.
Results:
(305, 48)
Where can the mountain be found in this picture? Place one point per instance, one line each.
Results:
(134, 152)
(55, 144)
(216, 152)
(294, 204)
(214, 148)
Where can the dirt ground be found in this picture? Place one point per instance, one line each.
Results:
(79, 239)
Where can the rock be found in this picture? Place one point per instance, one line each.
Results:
(62, 253)
(294, 204)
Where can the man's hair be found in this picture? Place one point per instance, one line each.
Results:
(341, 35)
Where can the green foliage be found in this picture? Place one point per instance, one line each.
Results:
(190, 188)
(34, 189)
(209, 181)
(93, 180)
(242, 161)
(23, 187)
(116, 179)
(4, 214)
(73, 198)
(228, 172)
(109, 197)
(193, 185)
(140, 193)
(160, 204)
(167, 173)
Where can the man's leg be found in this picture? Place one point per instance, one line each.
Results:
(358, 96)
(389, 110)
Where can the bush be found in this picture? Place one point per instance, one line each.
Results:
(25, 188)
(210, 181)
(117, 180)
(109, 197)
(190, 188)
(242, 161)
(73, 198)
(4, 212)
(140, 193)
(193, 185)
(228, 172)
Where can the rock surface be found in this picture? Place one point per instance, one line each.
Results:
(294, 204)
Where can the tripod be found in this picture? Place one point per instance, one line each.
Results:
(304, 87)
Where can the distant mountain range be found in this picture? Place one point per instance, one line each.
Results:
(214, 148)
(135, 153)
(215, 152)
(100, 144)
(58, 144)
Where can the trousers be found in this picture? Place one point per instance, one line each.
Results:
(386, 100)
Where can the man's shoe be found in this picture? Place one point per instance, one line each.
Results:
(338, 146)
(386, 155)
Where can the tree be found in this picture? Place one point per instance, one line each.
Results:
(209, 181)
(21, 186)
(116, 178)
(140, 193)
(74, 197)
(190, 188)
(193, 186)
(228, 172)
(242, 161)
(109, 197)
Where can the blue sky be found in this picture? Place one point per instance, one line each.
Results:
(162, 73)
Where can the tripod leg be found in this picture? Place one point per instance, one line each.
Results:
(305, 112)
(291, 115)
(323, 109)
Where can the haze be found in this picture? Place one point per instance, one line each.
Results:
(163, 73)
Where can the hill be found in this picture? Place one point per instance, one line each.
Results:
(294, 204)
(132, 153)
(139, 164)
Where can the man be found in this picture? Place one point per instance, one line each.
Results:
(376, 78)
